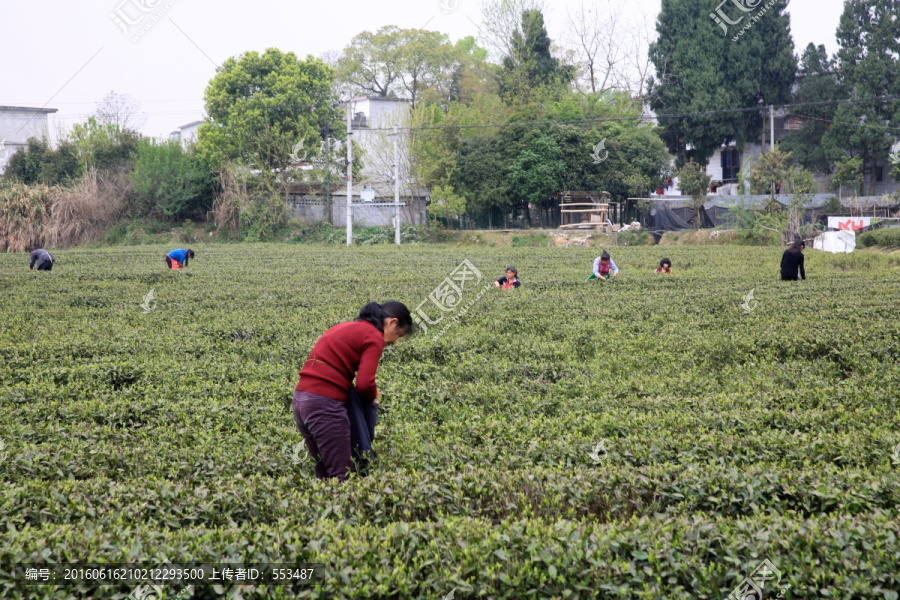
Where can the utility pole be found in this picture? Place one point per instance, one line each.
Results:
(396, 185)
(349, 171)
(326, 133)
(771, 127)
(772, 137)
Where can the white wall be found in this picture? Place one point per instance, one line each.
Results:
(16, 126)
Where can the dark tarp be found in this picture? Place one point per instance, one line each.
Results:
(667, 218)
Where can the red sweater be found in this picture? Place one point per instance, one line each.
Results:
(340, 352)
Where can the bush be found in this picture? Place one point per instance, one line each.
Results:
(169, 182)
(530, 240)
(637, 238)
(324, 233)
(889, 237)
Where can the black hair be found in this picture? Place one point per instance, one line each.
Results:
(190, 253)
(665, 261)
(513, 269)
(604, 256)
(376, 314)
(795, 248)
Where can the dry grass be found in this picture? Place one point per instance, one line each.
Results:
(81, 213)
(230, 202)
(24, 213)
(42, 216)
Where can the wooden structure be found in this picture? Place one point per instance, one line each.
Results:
(580, 210)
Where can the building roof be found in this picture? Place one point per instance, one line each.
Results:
(28, 109)
(376, 98)
(191, 124)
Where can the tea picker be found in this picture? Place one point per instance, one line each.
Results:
(511, 280)
(337, 418)
(604, 267)
(665, 266)
(176, 259)
(792, 263)
(43, 259)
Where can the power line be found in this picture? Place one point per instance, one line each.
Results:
(645, 118)
(845, 122)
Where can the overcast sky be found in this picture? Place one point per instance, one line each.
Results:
(67, 55)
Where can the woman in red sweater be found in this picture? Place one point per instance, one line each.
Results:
(325, 379)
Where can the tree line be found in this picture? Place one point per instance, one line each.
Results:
(507, 121)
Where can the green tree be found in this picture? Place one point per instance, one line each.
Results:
(536, 174)
(768, 171)
(701, 69)
(103, 146)
(446, 204)
(25, 165)
(481, 176)
(530, 67)
(694, 181)
(169, 181)
(869, 63)
(472, 78)
(38, 163)
(400, 62)
(260, 106)
(371, 62)
(847, 171)
(817, 82)
(801, 185)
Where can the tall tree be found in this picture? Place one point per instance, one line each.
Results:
(369, 63)
(608, 48)
(500, 20)
(536, 174)
(473, 75)
(399, 62)
(701, 69)
(427, 61)
(530, 66)
(260, 106)
(818, 82)
(869, 61)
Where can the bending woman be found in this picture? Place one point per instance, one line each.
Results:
(792, 262)
(345, 350)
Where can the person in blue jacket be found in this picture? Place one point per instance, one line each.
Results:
(177, 259)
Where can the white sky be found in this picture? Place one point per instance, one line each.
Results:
(68, 54)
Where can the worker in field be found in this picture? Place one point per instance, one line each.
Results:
(325, 396)
(176, 259)
(665, 266)
(792, 263)
(41, 258)
(604, 267)
(510, 281)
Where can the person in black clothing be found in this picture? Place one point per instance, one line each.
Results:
(791, 262)
(43, 259)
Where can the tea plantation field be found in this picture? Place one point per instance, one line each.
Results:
(645, 437)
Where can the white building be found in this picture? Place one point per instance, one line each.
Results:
(17, 124)
(372, 118)
(186, 134)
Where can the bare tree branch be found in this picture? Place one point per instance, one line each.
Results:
(500, 19)
(120, 110)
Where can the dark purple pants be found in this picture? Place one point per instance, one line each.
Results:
(326, 428)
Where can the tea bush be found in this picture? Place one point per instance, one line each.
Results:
(881, 237)
(729, 435)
